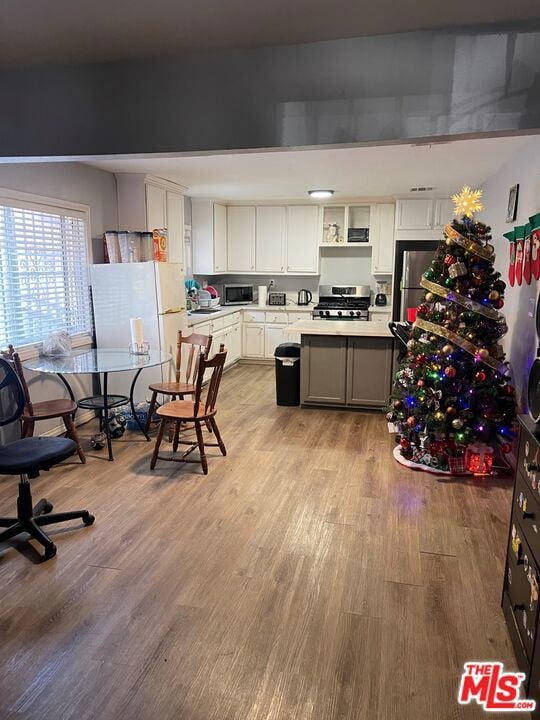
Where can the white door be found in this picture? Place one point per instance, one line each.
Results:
(220, 238)
(253, 341)
(170, 288)
(240, 239)
(382, 239)
(270, 239)
(155, 207)
(235, 341)
(273, 336)
(175, 227)
(302, 234)
(415, 214)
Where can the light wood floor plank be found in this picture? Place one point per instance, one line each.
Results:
(307, 577)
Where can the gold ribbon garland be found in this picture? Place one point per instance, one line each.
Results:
(469, 245)
(476, 307)
(460, 342)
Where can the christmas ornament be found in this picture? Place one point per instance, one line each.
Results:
(450, 371)
(438, 416)
(411, 421)
(421, 359)
(420, 383)
(449, 259)
(430, 297)
(457, 270)
(506, 448)
(483, 354)
(467, 202)
(457, 424)
(480, 376)
(494, 295)
(398, 404)
(411, 344)
(447, 349)
(451, 410)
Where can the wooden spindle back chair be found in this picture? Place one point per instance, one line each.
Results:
(197, 344)
(197, 411)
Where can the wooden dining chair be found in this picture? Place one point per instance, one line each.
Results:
(45, 410)
(196, 345)
(197, 411)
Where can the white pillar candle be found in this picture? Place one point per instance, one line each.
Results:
(136, 331)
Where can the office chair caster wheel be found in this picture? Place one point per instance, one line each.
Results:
(88, 519)
(50, 551)
(47, 508)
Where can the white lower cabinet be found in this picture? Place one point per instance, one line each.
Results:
(253, 340)
(273, 336)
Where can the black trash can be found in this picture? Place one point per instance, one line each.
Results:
(287, 357)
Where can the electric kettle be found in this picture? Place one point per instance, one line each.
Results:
(304, 297)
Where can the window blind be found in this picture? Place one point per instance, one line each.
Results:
(43, 272)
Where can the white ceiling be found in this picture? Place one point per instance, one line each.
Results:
(76, 31)
(373, 172)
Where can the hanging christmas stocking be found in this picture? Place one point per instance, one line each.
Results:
(527, 265)
(512, 258)
(520, 237)
(535, 245)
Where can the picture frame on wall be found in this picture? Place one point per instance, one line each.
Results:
(511, 211)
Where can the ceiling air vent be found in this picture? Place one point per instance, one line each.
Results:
(421, 189)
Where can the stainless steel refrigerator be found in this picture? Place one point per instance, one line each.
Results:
(412, 260)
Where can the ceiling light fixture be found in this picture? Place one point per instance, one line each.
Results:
(320, 193)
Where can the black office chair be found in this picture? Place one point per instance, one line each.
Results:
(26, 458)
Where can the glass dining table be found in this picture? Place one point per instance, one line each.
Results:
(101, 362)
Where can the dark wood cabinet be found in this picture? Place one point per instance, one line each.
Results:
(520, 601)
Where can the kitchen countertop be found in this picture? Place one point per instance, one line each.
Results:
(230, 309)
(346, 328)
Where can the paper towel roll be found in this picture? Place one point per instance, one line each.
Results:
(136, 331)
(263, 295)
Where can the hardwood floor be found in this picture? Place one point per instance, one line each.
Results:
(307, 577)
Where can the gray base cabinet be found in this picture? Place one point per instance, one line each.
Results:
(345, 371)
(323, 366)
(369, 371)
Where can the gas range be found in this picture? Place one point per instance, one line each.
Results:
(343, 302)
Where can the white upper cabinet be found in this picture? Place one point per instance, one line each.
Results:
(146, 202)
(220, 237)
(422, 218)
(414, 214)
(381, 237)
(271, 226)
(240, 238)
(444, 212)
(208, 236)
(302, 239)
(175, 226)
(156, 207)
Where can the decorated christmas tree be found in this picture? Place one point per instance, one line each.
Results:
(452, 401)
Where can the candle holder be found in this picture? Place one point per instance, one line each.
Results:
(139, 348)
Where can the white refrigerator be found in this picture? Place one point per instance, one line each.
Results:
(150, 290)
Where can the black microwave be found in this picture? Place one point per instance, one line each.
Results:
(237, 294)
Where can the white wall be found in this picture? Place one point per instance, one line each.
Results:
(520, 342)
(77, 183)
(70, 181)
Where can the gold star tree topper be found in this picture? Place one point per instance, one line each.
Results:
(467, 202)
